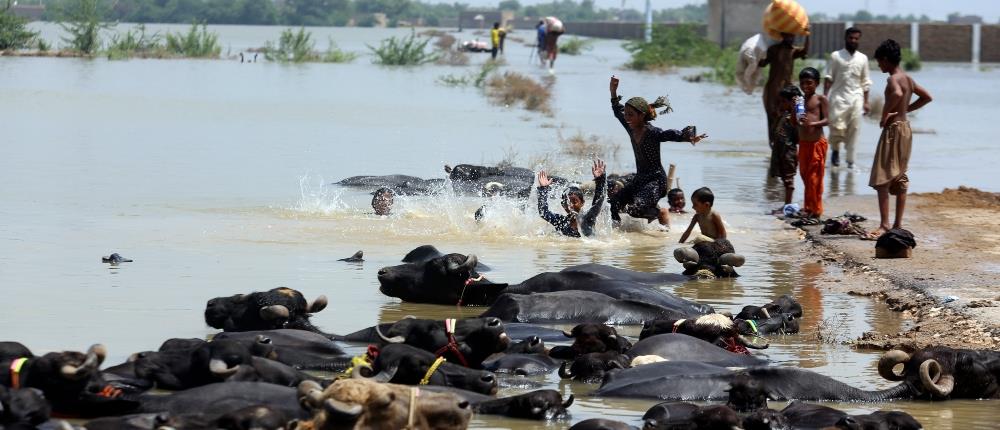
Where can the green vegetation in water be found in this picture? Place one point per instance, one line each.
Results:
(298, 47)
(14, 33)
(575, 46)
(477, 79)
(335, 55)
(135, 42)
(403, 51)
(672, 46)
(911, 60)
(196, 43)
(42, 45)
(83, 22)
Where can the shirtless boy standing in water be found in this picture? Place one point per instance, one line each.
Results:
(892, 156)
(781, 57)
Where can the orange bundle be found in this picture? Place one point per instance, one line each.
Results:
(785, 16)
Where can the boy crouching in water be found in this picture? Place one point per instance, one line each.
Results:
(711, 249)
(812, 143)
(785, 147)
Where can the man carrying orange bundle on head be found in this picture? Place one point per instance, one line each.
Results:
(783, 20)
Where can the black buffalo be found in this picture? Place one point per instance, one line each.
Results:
(534, 405)
(946, 373)
(225, 398)
(669, 347)
(71, 381)
(601, 424)
(453, 279)
(717, 329)
(688, 416)
(425, 253)
(210, 362)
(269, 310)
(407, 365)
(23, 407)
(804, 415)
(474, 338)
(688, 380)
(576, 306)
(297, 348)
(400, 184)
(258, 417)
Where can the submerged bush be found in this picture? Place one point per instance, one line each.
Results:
(403, 51)
(14, 33)
(672, 46)
(84, 25)
(575, 46)
(477, 79)
(133, 43)
(335, 55)
(298, 47)
(196, 43)
(512, 88)
(911, 60)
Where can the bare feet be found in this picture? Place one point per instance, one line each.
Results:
(875, 234)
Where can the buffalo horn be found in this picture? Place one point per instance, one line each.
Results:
(564, 371)
(767, 315)
(220, 368)
(274, 312)
(747, 342)
(567, 334)
(939, 384)
(342, 410)
(318, 304)
(468, 265)
(95, 356)
(568, 402)
(385, 375)
(890, 360)
(394, 339)
(614, 364)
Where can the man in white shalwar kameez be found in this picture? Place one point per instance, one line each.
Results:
(847, 84)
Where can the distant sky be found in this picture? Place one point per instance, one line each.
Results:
(936, 9)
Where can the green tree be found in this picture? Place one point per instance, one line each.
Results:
(14, 33)
(313, 12)
(83, 20)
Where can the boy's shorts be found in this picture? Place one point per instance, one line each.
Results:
(785, 162)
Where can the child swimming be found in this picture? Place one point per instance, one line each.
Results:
(573, 224)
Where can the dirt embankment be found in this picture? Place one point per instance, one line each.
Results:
(950, 289)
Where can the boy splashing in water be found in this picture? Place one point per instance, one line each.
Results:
(573, 223)
(640, 197)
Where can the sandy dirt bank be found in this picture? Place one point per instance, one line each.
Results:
(949, 290)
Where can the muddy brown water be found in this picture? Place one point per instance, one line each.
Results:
(214, 176)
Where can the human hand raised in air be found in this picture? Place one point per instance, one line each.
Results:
(614, 86)
(543, 179)
(598, 168)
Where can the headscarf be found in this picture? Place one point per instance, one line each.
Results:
(640, 104)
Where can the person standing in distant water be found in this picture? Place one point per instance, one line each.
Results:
(553, 29)
(495, 38)
(503, 36)
(781, 57)
(846, 85)
(892, 156)
(540, 28)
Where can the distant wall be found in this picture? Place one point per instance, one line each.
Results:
(733, 21)
(826, 38)
(946, 42)
(990, 43)
(872, 34)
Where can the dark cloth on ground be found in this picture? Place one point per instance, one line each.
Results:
(841, 225)
(564, 223)
(896, 240)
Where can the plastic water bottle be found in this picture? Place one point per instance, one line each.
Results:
(800, 108)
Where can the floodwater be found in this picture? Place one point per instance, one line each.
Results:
(214, 176)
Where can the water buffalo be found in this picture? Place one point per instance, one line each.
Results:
(358, 257)
(472, 339)
(12, 350)
(400, 184)
(361, 404)
(687, 380)
(424, 253)
(404, 364)
(297, 348)
(595, 338)
(781, 305)
(71, 381)
(534, 405)
(453, 279)
(274, 309)
(946, 373)
(520, 364)
(804, 415)
(576, 307)
(529, 345)
(224, 398)
(601, 424)
(717, 329)
(681, 415)
(115, 259)
(210, 362)
(23, 407)
(257, 417)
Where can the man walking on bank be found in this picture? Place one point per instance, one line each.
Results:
(846, 86)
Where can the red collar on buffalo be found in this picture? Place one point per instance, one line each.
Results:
(15, 372)
(449, 327)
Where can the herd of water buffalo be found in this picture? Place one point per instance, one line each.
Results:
(433, 374)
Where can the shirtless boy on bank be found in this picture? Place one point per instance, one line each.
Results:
(892, 156)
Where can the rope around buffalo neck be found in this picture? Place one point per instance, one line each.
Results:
(753, 325)
(467, 282)
(449, 327)
(431, 370)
